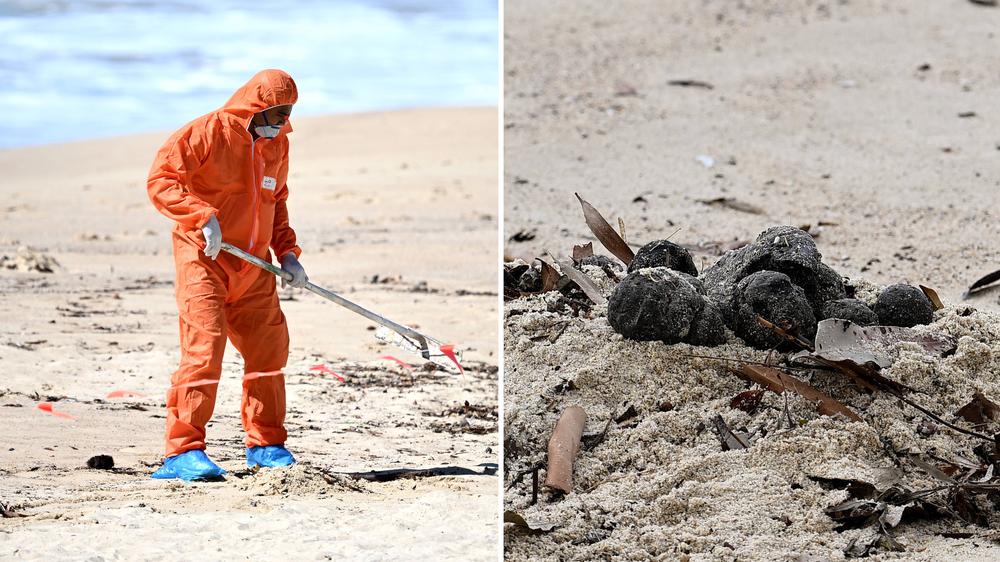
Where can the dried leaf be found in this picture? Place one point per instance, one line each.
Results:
(629, 413)
(778, 381)
(986, 477)
(550, 277)
(981, 283)
(621, 229)
(522, 524)
(965, 506)
(730, 203)
(581, 251)
(863, 375)
(852, 511)
(933, 297)
(730, 440)
(979, 410)
(748, 401)
(856, 488)
(584, 282)
(604, 233)
(930, 469)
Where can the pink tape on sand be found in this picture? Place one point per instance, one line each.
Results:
(46, 407)
(397, 360)
(125, 393)
(326, 370)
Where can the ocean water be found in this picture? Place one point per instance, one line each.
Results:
(86, 69)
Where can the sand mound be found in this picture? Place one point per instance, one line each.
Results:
(660, 485)
(299, 479)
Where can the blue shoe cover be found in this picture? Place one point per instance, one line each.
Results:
(189, 465)
(269, 456)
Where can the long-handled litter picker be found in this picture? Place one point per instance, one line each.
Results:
(405, 337)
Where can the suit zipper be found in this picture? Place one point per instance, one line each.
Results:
(256, 195)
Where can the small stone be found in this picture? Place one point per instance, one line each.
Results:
(664, 253)
(773, 296)
(849, 309)
(654, 304)
(903, 305)
(101, 462)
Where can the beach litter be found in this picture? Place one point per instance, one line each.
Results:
(27, 259)
(101, 462)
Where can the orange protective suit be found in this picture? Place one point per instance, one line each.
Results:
(213, 166)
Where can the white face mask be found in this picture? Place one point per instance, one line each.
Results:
(267, 130)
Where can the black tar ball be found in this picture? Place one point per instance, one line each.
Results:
(903, 305)
(850, 309)
(654, 304)
(101, 462)
(773, 296)
(663, 253)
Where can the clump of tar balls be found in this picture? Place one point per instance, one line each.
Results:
(780, 276)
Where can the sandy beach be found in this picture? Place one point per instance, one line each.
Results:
(394, 210)
(709, 122)
(872, 119)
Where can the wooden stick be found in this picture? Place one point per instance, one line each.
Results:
(563, 446)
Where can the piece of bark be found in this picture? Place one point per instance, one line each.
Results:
(563, 446)
(777, 381)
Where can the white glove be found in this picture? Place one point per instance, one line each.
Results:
(291, 264)
(213, 237)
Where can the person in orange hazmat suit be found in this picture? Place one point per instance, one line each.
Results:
(222, 176)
